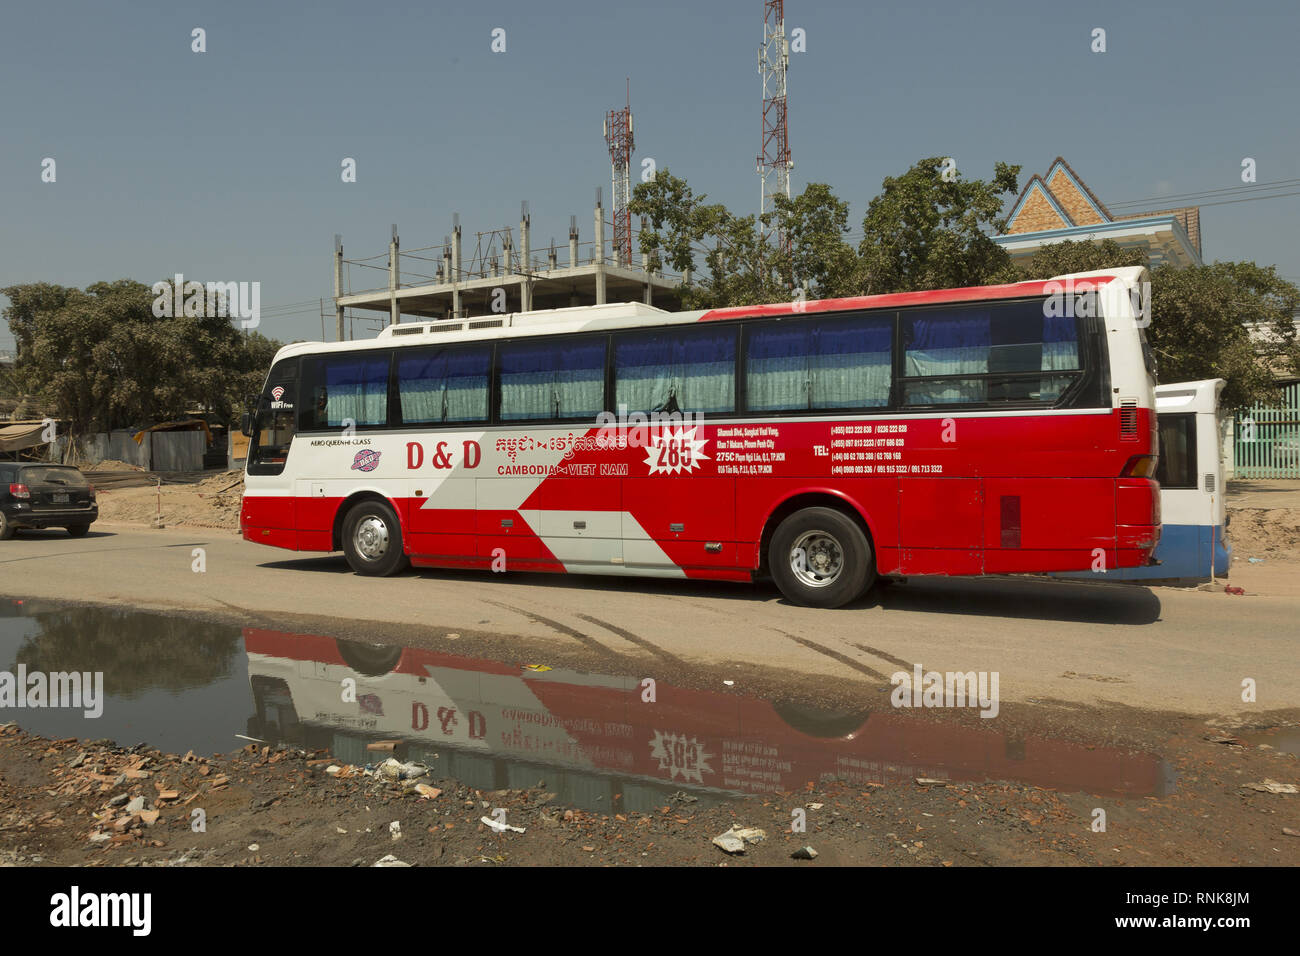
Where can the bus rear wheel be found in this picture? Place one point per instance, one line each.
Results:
(820, 558)
(372, 539)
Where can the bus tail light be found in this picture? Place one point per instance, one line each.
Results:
(1140, 466)
(20, 491)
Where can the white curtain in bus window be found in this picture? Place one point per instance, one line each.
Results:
(819, 364)
(552, 379)
(676, 370)
(447, 385)
(989, 355)
(351, 389)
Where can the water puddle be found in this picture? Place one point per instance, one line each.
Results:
(181, 684)
(1285, 741)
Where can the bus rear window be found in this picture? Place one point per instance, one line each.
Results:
(1177, 465)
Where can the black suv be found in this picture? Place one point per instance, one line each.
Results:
(45, 496)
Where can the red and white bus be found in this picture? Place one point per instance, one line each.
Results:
(986, 430)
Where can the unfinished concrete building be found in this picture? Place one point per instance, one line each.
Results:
(503, 273)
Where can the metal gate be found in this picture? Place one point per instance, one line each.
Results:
(1266, 440)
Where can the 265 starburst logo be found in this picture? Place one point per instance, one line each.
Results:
(681, 756)
(673, 451)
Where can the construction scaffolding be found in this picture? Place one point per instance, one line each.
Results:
(501, 274)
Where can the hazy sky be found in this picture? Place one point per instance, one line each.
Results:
(225, 165)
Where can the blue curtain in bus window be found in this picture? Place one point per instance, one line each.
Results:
(683, 370)
(1060, 352)
(544, 380)
(444, 386)
(949, 345)
(819, 364)
(355, 389)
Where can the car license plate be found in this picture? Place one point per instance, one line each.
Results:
(60, 497)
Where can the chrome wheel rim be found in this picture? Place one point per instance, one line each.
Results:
(817, 559)
(371, 538)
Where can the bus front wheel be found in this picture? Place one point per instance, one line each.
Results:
(820, 558)
(372, 539)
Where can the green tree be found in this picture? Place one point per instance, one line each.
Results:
(1229, 320)
(821, 262)
(1062, 258)
(923, 231)
(105, 361)
(927, 230)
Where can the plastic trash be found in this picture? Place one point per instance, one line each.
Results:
(500, 827)
(394, 769)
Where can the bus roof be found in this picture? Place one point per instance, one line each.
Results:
(1201, 396)
(631, 315)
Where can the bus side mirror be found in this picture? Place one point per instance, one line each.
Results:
(246, 424)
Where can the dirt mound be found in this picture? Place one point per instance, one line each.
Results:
(112, 464)
(210, 502)
(1264, 532)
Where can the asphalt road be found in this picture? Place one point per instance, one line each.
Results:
(1154, 649)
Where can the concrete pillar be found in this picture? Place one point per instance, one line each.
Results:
(598, 254)
(394, 316)
(455, 266)
(338, 287)
(525, 261)
(573, 242)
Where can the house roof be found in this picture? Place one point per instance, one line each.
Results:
(1060, 205)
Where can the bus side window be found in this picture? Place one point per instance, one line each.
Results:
(689, 370)
(559, 379)
(989, 354)
(436, 386)
(346, 389)
(824, 364)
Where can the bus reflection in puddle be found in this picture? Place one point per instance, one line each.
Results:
(597, 745)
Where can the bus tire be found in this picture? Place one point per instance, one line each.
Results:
(372, 539)
(820, 558)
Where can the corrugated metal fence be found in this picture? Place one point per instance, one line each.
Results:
(1267, 439)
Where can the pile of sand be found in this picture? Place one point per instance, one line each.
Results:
(112, 464)
(211, 501)
(1264, 532)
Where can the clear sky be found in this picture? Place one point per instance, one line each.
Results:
(225, 165)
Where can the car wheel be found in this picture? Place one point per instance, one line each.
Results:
(820, 558)
(372, 539)
(7, 528)
(78, 530)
